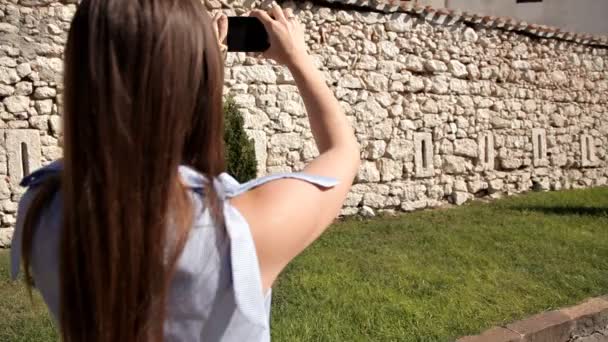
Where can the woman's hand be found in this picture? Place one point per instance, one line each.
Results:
(220, 26)
(287, 45)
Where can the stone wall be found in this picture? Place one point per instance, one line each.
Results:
(445, 111)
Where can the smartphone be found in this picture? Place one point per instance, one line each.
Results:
(246, 34)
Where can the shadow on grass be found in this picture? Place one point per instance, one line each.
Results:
(563, 210)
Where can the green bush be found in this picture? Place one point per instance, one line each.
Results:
(240, 150)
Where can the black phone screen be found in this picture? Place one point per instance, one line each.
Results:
(246, 34)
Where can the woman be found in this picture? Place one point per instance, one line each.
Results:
(136, 235)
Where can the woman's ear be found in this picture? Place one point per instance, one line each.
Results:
(220, 25)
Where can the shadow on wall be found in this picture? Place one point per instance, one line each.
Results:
(564, 210)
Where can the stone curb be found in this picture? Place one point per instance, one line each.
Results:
(552, 326)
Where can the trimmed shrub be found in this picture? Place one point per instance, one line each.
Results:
(240, 150)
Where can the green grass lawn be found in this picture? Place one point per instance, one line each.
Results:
(426, 276)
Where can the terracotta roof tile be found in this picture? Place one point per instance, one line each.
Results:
(441, 16)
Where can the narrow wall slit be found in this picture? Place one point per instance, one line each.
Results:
(423, 156)
(487, 149)
(540, 146)
(425, 163)
(25, 164)
(588, 142)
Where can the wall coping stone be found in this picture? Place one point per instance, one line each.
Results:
(442, 16)
(551, 326)
(452, 16)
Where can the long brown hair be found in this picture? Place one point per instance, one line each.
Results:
(143, 94)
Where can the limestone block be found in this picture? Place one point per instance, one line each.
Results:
(435, 66)
(498, 122)
(5, 190)
(400, 149)
(23, 88)
(8, 28)
(42, 93)
(350, 82)
(293, 107)
(284, 76)
(54, 29)
(475, 186)
(17, 104)
(24, 153)
(376, 81)
(431, 120)
(459, 185)
(414, 63)
(390, 169)
(368, 172)
(398, 25)
(559, 159)
(344, 17)
(8, 75)
(454, 165)
(278, 169)
(459, 86)
(55, 124)
(242, 100)
(8, 220)
(44, 107)
(6, 90)
(388, 49)
(470, 35)
(66, 12)
(459, 197)
(349, 211)
(336, 62)
(430, 106)
(6, 235)
(496, 185)
(557, 120)
(457, 69)
(370, 111)
(473, 71)
(375, 149)
(286, 140)
(520, 65)
(413, 205)
(559, 77)
(49, 69)
(423, 156)
(353, 199)
(24, 69)
(415, 85)
(367, 62)
(529, 106)
(309, 150)
(39, 122)
(367, 212)
(254, 74)
(285, 123)
(374, 200)
(9, 206)
(8, 62)
(466, 148)
(254, 118)
(52, 153)
(510, 163)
